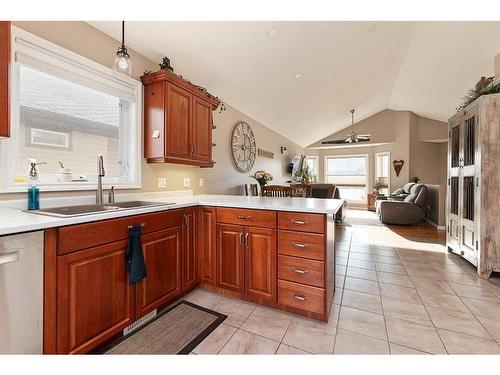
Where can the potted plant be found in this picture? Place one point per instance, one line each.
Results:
(306, 175)
(64, 173)
(377, 186)
(262, 177)
(415, 179)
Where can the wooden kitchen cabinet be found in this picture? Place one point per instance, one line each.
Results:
(177, 120)
(231, 257)
(163, 283)
(207, 243)
(4, 78)
(190, 273)
(94, 300)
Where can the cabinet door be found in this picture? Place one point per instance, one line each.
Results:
(154, 120)
(189, 256)
(230, 257)
(207, 244)
(202, 130)
(4, 78)
(94, 300)
(178, 127)
(260, 263)
(163, 283)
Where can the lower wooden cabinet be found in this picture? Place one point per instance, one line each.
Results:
(94, 300)
(207, 244)
(230, 257)
(190, 274)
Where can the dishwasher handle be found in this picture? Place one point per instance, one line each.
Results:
(9, 257)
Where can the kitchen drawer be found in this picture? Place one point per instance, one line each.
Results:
(244, 216)
(304, 271)
(307, 298)
(82, 236)
(314, 223)
(304, 245)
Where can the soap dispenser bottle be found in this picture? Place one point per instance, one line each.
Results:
(33, 190)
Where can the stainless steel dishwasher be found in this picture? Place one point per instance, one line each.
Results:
(21, 293)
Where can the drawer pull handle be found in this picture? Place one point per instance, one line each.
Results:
(142, 225)
(300, 298)
(244, 217)
(299, 271)
(301, 245)
(300, 222)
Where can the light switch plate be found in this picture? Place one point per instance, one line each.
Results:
(162, 182)
(187, 182)
(201, 182)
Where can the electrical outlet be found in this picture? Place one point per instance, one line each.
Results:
(162, 182)
(201, 182)
(187, 182)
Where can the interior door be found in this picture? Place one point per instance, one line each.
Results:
(163, 283)
(260, 263)
(179, 103)
(202, 130)
(454, 163)
(230, 257)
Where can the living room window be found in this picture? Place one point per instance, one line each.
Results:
(382, 171)
(65, 111)
(313, 163)
(350, 174)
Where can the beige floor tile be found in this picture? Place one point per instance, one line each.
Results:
(290, 350)
(237, 311)
(457, 343)
(400, 293)
(391, 268)
(406, 311)
(313, 337)
(334, 315)
(216, 340)
(482, 293)
(348, 342)
(362, 322)
(442, 301)
(471, 280)
(337, 296)
(456, 321)
(387, 260)
(203, 298)
(392, 278)
(362, 301)
(364, 286)
(362, 264)
(244, 342)
(269, 323)
(414, 336)
(360, 250)
(361, 256)
(432, 285)
(386, 253)
(483, 308)
(492, 326)
(361, 273)
(398, 349)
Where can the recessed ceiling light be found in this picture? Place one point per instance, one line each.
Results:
(372, 28)
(271, 32)
(298, 76)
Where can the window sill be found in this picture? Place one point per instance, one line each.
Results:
(47, 187)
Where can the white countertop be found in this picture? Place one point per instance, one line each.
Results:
(14, 220)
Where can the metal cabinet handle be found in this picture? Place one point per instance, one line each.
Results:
(247, 240)
(300, 298)
(9, 257)
(299, 244)
(299, 271)
(300, 222)
(142, 225)
(244, 217)
(241, 239)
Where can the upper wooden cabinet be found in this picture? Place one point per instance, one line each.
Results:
(4, 78)
(177, 120)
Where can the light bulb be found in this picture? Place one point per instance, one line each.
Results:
(122, 63)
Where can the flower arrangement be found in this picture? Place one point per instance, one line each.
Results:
(262, 177)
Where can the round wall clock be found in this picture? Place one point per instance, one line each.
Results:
(243, 149)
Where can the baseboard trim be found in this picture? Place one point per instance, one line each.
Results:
(438, 227)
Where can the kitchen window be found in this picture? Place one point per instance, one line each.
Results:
(66, 110)
(349, 173)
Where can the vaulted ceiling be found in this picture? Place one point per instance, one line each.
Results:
(302, 78)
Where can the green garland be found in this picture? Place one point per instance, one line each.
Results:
(492, 88)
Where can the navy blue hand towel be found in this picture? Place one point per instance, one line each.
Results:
(134, 258)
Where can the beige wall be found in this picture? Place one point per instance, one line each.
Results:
(223, 178)
(497, 68)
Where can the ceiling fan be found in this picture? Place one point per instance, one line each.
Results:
(353, 137)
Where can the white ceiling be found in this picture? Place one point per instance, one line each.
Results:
(424, 67)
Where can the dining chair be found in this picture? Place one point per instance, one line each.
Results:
(276, 191)
(301, 190)
(322, 191)
(251, 190)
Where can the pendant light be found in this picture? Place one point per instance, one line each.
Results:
(122, 63)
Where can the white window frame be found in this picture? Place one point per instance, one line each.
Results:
(50, 58)
(367, 168)
(316, 158)
(383, 153)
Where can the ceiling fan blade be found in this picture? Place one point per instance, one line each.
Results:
(334, 142)
(363, 139)
(364, 135)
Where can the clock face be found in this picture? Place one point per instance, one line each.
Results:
(243, 146)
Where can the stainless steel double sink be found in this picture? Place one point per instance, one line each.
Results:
(90, 209)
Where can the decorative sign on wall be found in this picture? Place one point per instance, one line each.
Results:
(398, 165)
(264, 153)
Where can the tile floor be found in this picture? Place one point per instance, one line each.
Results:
(398, 292)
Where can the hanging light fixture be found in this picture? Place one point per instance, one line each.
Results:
(122, 62)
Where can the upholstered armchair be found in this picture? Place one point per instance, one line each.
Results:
(408, 211)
